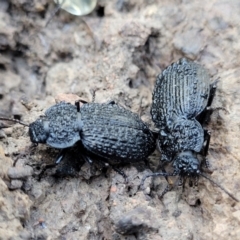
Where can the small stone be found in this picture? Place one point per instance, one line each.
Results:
(15, 184)
(8, 131)
(27, 185)
(237, 215)
(190, 43)
(137, 220)
(2, 134)
(20, 172)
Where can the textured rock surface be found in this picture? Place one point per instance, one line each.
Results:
(120, 55)
(15, 206)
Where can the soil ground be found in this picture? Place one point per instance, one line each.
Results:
(118, 49)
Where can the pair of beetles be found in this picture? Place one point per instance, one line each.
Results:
(110, 134)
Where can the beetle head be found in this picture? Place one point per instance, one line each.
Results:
(39, 130)
(186, 164)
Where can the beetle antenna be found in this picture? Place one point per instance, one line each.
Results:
(214, 183)
(14, 120)
(56, 9)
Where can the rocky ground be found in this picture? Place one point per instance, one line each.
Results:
(118, 50)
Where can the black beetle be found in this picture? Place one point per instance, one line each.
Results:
(106, 133)
(181, 106)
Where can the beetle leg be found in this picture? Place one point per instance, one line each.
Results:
(180, 181)
(12, 120)
(164, 174)
(161, 166)
(190, 182)
(207, 137)
(93, 92)
(121, 172)
(196, 180)
(140, 108)
(111, 102)
(60, 156)
(87, 159)
(101, 163)
(146, 162)
(210, 110)
(77, 104)
(205, 117)
(207, 164)
(54, 12)
(167, 189)
(57, 161)
(213, 88)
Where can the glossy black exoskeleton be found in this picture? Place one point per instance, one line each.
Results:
(181, 106)
(106, 133)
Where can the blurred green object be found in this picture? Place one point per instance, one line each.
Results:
(77, 7)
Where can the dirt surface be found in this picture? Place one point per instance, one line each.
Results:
(118, 50)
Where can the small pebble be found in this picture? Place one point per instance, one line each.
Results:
(20, 172)
(15, 184)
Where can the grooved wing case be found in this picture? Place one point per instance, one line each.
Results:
(115, 133)
(181, 91)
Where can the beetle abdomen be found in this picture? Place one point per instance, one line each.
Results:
(115, 133)
(181, 90)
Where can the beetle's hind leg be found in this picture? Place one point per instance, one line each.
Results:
(95, 160)
(204, 151)
(167, 189)
(146, 163)
(102, 166)
(209, 111)
(205, 163)
(162, 163)
(196, 178)
(140, 110)
(213, 88)
(121, 172)
(207, 137)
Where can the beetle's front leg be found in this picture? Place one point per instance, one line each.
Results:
(59, 158)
